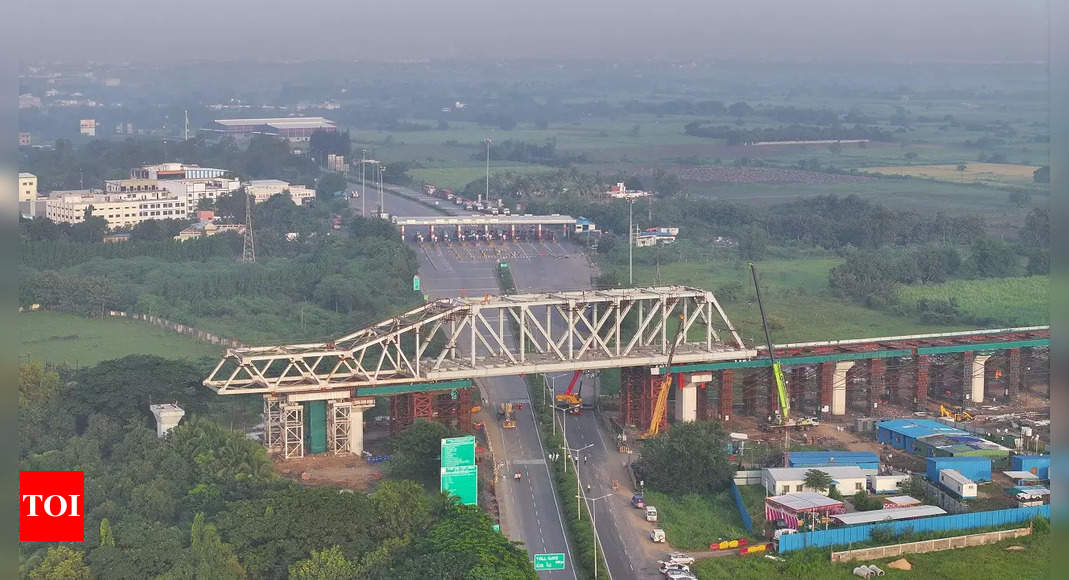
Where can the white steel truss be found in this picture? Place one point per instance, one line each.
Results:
(338, 429)
(293, 430)
(465, 338)
(273, 422)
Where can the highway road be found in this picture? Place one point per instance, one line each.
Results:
(530, 512)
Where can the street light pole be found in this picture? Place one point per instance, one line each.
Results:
(382, 201)
(488, 141)
(578, 484)
(363, 191)
(594, 525)
(630, 243)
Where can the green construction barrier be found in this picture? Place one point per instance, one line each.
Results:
(315, 426)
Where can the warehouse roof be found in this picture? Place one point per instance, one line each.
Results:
(888, 515)
(804, 500)
(902, 500)
(821, 457)
(961, 443)
(1020, 475)
(919, 427)
(279, 122)
(838, 472)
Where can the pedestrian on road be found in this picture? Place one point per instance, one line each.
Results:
(586, 459)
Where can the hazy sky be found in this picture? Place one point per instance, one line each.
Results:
(898, 30)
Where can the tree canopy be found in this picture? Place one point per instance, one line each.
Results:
(689, 458)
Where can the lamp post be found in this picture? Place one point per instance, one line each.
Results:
(488, 141)
(630, 243)
(578, 484)
(594, 525)
(363, 192)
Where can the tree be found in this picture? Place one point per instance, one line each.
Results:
(740, 109)
(753, 242)
(961, 171)
(329, 564)
(910, 156)
(416, 450)
(107, 538)
(993, 258)
(690, 458)
(328, 184)
(1020, 198)
(818, 480)
(666, 184)
(836, 148)
(633, 183)
(61, 563)
(401, 508)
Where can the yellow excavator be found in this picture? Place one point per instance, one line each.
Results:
(959, 417)
(660, 406)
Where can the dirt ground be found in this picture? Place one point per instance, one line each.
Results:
(344, 471)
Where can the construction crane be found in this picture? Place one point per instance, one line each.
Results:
(660, 406)
(571, 397)
(777, 372)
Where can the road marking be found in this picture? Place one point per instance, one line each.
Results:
(553, 490)
(528, 461)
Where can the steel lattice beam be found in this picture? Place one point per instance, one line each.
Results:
(463, 338)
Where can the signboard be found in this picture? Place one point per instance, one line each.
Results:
(458, 451)
(462, 481)
(548, 562)
(415, 283)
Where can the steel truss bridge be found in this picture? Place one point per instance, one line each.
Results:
(463, 338)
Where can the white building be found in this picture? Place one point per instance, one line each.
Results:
(783, 480)
(119, 209)
(27, 186)
(264, 189)
(167, 171)
(194, 190)
(620, 192)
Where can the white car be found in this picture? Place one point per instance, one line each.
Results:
(666, 567)
(679, 575)
(679, 558)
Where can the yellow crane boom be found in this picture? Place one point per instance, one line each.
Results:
(660, 406)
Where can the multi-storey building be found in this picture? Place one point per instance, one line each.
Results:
(263, 189)
(192, 191)
(119, 209)
(168, 171)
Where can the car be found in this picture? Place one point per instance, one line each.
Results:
(666, 567)
(679, 575)
(679, 558)
(657, 536)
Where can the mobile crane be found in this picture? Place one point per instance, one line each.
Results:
(660, 407)
(571, 397)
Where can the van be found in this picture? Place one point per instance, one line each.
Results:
(651, 513)
(657, 535)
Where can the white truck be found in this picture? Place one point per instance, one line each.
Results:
(651, 513)
(657, 536)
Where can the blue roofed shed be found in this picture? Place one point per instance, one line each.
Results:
(903, 433)
(975, 468)
(862, 459)
(1041, 464)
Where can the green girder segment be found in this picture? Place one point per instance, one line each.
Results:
(795, 361)
(984, 346)
(413, 388)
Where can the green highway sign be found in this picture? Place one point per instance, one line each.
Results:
(462, 481)
(549, 561)
(458, 451)
(415, 283)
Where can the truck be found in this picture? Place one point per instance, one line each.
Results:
(657, 536)
(571, 397)
(506, 415)
(651, 513)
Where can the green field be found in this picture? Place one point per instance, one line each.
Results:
(457, 177)
(692, 522)
(798, 302)
(991, 561)
(65, 339)
(1008, 301)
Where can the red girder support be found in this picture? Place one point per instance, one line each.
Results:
(920, 383)
(749, 393)
(423, 406)
(773, 395)
(727, 393)
(400, 412)
(1014, 372)
(797, 386)
(877, 384)
(703, 401)
(631, 395)
(464, 411)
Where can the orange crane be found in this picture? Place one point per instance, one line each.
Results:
(660, 406)
(571, 397)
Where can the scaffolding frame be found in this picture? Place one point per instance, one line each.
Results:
(338, 431)
(273, 423)
(293, 430)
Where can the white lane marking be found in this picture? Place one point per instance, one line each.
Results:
(553, 491)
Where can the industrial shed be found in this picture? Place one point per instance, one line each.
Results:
(1040, 463)
(904, 433)
(862, 459)
(974, 468)
(888, 515)
(959, 446)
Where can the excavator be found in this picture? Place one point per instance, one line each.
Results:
(660, 407)
(959, 417)
(571, 398)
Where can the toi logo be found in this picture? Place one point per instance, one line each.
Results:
(51, 506)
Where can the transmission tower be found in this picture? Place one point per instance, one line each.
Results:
(248, 252)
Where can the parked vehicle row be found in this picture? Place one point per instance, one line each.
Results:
(485, 206)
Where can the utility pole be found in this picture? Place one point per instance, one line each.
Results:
(185, 133)
(594, 525)
(248, 251)
(363, 192)
(578, 484)
(382, 201)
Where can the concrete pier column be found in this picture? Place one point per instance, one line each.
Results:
(976, 377)
(687, 403)
(827, 379)
(727, 394)
(356, 430)
(838, 393)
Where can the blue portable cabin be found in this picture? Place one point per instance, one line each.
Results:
(974, 468)
(1041, 463)
(862, 459)
(903, 433)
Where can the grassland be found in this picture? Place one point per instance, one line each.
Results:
(65, 339)
(1009, 301)
(692, 522)
(797, 299)
(993, 561)
(989, 173)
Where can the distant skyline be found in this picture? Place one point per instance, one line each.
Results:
(677, 30)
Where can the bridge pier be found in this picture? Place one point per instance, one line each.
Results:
(688, 396)
(796, 386)
(921, 368)
(727, 395)
(838, 393)
(749, 394)
(977, 377)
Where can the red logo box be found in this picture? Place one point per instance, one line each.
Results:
(52, 506)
